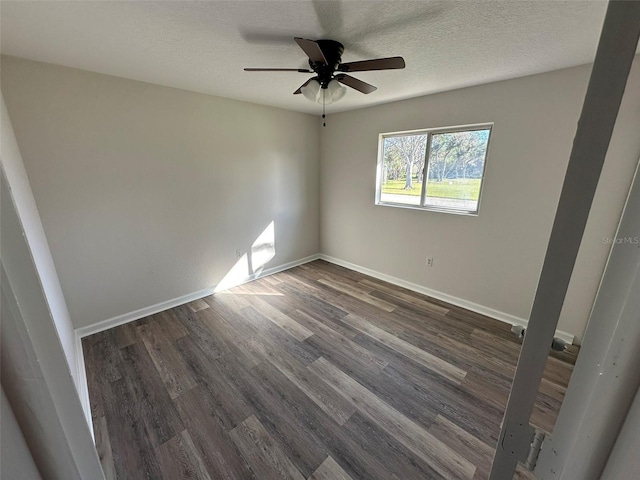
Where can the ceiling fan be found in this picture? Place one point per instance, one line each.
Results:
(325, 58)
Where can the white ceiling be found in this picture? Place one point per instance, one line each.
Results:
(203, 46)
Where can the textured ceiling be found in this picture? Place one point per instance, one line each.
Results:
(203, 46)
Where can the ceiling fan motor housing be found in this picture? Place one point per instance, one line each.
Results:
(332, 51)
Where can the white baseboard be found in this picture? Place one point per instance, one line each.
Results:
(83, 388)
(174, 302)
(474, 307)
(140, 313)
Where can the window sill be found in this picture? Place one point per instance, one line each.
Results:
(429, 209)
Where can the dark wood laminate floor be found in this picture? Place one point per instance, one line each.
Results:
(315, 373)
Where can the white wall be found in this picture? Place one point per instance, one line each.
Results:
(493, 259)
(11, 161)
(145, 192)
(16, 461)
(34, 372)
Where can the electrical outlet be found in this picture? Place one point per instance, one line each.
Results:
(238, 253)
(429, 261)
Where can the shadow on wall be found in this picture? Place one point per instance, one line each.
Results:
(251, 264)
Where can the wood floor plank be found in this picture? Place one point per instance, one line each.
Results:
(476, 451)
(451, 400)
(395, 391)
(272, 279)
(360, 294)
(262, 454)
(179, 459)
(234, 317)
(103, 445)
(276, 337)
(442, 458)
(329, 470)
(309, 300)
(334, 305)
(347, 360)
(481, 322)
(95, 378)
(556, 371)
(486, 340)
(320, 393)
(199, 332)
(544, 413)
(307, 433)
(201, 414)
(553, 390)
(292, 419)
(238, 344)
(400, 318)
(414, 327)
(322, 267)
(374, 438)
(477, 360)
(233, 301)
(456, 351)
(311, 320)
(131, 445)
(253, 289)
(170, 323)
(432, 323)
(218, 391)
(103, 354)
(426, 359)
(490, 393)
(289, 325)
(462, 355)
(410, 298)
(126, 334)
(341, 342)
(174, 373)
(290, 306)
(197, 305)
(141, 389)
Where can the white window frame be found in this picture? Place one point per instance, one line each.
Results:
(429, 132)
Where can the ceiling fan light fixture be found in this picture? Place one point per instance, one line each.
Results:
(333, 92)
(311, 90)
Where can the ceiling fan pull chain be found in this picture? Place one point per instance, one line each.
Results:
(324, 124)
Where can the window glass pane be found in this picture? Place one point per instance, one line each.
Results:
(456, 166)
(402, 169)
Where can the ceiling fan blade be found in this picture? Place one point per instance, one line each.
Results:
(359, 85)
(312, 49)
(299, 90)
(301, 70)
(390, 63)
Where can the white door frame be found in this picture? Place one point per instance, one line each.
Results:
(605, 379)
(616, 50)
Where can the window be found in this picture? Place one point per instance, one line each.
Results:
(436, 169)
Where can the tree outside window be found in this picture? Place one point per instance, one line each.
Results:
(451, 160)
